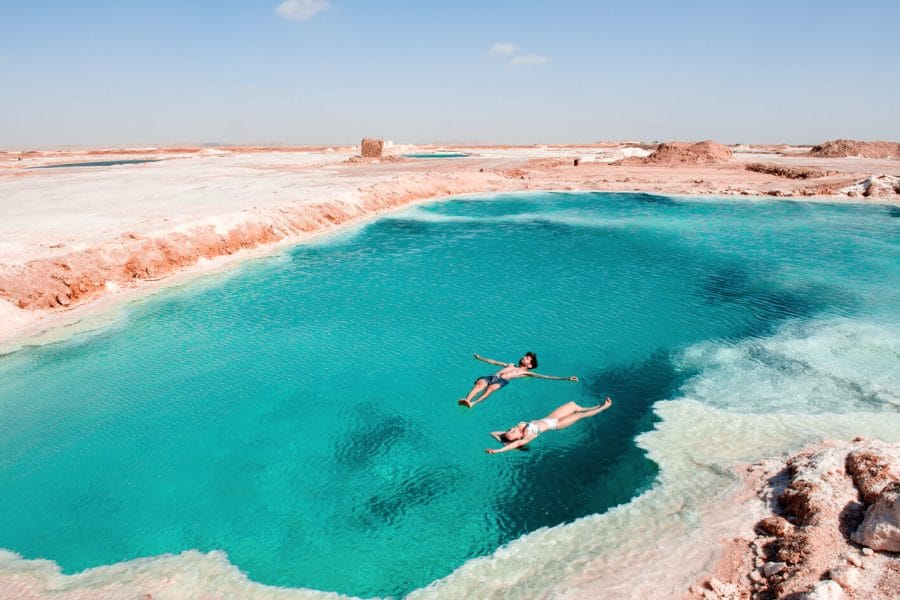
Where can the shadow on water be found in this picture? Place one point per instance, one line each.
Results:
(414, 489)
(768, 304)
(560, 483)
(401, 488)
(381, 432)
(652, 199)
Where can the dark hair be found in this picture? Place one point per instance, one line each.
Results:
(505, 440)
(533, 359)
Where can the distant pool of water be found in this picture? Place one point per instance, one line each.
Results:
(100, 163)
(300, 412)
(436, 155)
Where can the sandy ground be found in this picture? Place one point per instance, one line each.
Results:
(76, 240)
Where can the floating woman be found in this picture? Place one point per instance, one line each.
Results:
(491, 383)
(525, 432)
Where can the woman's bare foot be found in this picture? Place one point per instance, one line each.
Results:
(464, 402)
(606, 404)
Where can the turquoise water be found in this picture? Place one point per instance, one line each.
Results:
(100, 163)
(300, 412)
(436, 155)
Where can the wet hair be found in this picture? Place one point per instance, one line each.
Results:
(533, 359)
(505, 440)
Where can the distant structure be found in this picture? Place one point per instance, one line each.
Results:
(371, 148)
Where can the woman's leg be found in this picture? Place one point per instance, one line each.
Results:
(565, 410)
(581, 413)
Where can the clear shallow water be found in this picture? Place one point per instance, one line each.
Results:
(436, 155)
(100, 163)
(300, 413)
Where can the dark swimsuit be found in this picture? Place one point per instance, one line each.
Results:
(494, 379)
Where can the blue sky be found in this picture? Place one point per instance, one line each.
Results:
(331, 71)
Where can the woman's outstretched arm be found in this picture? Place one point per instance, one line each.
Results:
(510, 446)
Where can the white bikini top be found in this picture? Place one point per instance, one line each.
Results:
(532, 428)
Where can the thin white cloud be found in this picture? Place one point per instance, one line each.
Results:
(529, 59)
(504, 49)
(302, 10)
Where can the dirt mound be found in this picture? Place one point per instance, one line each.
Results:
(684, 153)
(356, 160)
(788, 172)
(548, 163)
(852, 148)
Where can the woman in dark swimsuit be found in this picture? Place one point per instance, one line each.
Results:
(491, 383)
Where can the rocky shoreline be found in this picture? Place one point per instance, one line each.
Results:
(832, 532)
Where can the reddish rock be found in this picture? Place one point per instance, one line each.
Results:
(777, 526)
(797, 501)
(871, 471)
(793, 548)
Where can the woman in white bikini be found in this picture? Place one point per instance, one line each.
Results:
(525, 432)
(491, 383)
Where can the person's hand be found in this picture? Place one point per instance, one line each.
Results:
(573, 378)
(490, 451)
(476, 356)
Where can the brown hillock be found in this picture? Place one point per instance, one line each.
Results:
(856, 149)
(684, 153)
